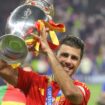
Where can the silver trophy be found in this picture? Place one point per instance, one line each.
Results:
(13, 48)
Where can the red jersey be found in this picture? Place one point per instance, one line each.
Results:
(35, 88)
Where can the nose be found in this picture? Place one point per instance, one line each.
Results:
(68, 59)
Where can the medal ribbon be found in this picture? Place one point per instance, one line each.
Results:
(49, 95)
(59, 99)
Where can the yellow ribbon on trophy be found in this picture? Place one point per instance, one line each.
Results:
(54, 43)
(34, 42)
(14, 66)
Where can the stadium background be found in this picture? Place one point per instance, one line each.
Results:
(86, 19)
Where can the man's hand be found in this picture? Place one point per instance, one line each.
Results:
(43, 39)
(8, 73)
(2, 64)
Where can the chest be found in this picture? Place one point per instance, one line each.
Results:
(50, 95)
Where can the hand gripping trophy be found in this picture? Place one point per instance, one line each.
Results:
(22, 25)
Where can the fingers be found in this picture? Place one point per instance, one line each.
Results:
(35, 36)
(42, 38)
(2, 64)
(44, 33)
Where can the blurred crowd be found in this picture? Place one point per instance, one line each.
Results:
(89, 27)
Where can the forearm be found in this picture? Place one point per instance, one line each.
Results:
(7, 73)
(61, 76)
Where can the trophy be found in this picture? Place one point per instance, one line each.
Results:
(24, 20)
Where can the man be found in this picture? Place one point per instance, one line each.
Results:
(62, 90)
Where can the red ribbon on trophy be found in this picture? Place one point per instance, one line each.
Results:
(54, 43)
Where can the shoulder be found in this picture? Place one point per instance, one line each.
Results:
(27, 73)
(84, 89)
(81, 85)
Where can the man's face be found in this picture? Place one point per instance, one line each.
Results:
(69, 57)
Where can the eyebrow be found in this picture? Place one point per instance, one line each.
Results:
(65, 54)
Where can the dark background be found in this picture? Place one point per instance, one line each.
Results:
(6, 6)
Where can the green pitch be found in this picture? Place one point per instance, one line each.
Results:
(95, 91)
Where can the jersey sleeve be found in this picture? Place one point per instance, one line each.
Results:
(85, 91)
(26, 79)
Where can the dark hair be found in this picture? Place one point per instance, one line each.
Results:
(73, 41)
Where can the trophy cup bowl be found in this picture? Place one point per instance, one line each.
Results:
(13, 48)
